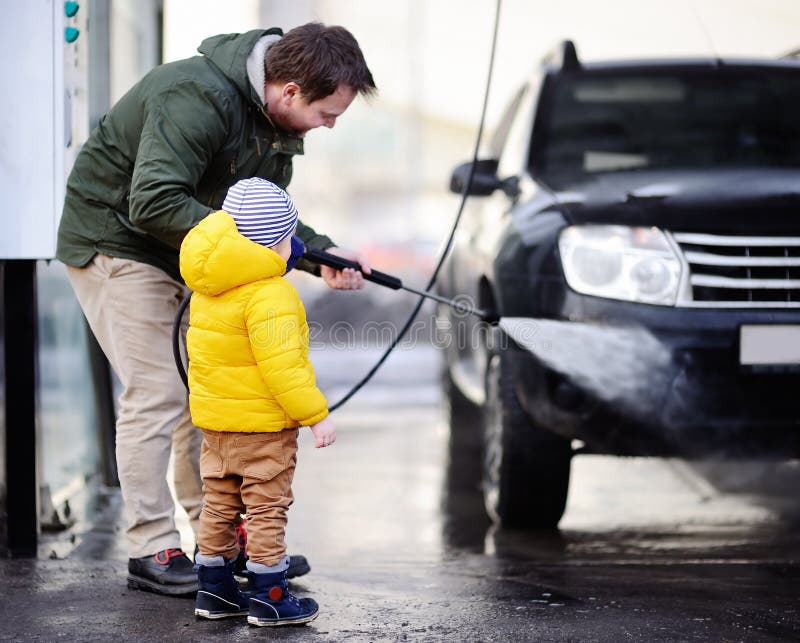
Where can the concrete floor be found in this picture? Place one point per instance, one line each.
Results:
(649, 550)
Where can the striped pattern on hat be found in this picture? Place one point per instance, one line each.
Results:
(262, 211)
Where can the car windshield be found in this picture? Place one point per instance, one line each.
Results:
(696, 118)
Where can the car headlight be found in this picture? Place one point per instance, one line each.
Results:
(620, 262)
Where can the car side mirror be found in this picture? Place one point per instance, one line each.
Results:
(511, 187)
(484, 180)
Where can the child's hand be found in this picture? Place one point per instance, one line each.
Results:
(325, 432)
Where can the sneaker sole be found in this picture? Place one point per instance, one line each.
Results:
(254, 620)
(143, 584)
(216, 615)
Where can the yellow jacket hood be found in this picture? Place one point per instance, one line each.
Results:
(215, 257)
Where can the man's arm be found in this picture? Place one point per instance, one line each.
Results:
(183, 129)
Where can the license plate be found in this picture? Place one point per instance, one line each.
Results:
(767, 345)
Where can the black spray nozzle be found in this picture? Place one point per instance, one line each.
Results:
(390, 281)
(340, 263)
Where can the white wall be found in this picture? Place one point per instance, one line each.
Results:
(188, 22)
(44, 122)
(433, 53)
(133, 40)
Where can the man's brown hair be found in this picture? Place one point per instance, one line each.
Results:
(319, 59)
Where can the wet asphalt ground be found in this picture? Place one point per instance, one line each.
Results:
(649, 550)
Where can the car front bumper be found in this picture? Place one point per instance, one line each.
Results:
(648, 380)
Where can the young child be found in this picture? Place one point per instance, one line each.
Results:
(251, 386)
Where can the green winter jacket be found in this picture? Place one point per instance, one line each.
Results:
(165, 155)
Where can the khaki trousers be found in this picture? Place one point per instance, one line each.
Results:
(246, 473)
(131, 307)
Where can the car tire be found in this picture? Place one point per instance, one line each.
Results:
(465, 442)
(464, 519)
(525, 468)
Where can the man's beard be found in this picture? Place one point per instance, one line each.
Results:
(284, 125)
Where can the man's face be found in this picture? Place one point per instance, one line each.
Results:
(290, 111)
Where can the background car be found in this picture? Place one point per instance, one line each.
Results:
(636, 224)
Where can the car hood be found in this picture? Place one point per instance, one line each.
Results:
(722, 200)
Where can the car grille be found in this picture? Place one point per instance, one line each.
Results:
(740, 271)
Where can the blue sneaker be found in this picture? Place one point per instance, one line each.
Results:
(219, 595)
(272, 604)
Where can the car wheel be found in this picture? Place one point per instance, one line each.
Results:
(465, 444)
(464, 521)
(525, 468)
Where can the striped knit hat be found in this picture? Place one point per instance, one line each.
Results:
(262, 211)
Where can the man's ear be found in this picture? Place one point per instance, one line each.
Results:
(290, 91)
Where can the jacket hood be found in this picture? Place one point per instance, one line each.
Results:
(215, 257)
(229, 52)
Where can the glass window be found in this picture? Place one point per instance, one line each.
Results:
(68, 429)
(515, 151)
(698, 118)
(500, 133)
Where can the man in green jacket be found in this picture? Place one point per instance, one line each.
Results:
(160, 161)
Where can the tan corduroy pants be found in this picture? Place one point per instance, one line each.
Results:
(247, 473)
(131, 307)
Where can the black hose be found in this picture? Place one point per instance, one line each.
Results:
(176, 340)
(454, 227)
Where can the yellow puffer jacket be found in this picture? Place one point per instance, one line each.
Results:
(248, 337)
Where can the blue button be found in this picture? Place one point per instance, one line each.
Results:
(71, 8)
(71, 34)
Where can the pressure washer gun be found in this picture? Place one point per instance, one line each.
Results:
(390, 281)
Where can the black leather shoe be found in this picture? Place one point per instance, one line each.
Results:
(168, 572)
(298, 566)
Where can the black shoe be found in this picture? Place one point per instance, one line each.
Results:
(168, 572)
(298, 566)
(239, 563)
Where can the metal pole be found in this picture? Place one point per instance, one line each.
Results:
(19, 366)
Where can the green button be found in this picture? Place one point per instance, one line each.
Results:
(71, 34)
(71, 8)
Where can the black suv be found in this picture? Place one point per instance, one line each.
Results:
(639, 234)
